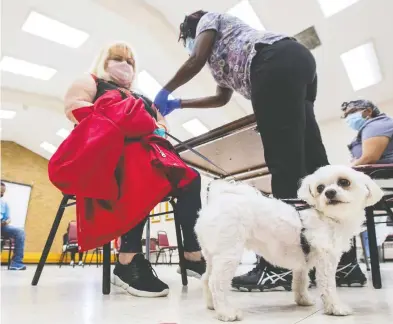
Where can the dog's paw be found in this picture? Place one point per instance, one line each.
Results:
(230, 315)
(304, 300)
(209, 304)
(337, 310)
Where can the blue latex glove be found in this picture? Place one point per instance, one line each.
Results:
(164, 105)
(160, 132)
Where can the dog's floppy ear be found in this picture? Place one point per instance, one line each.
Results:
(375, 193)
(305, 191)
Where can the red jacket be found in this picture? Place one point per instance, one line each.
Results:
(117, 168)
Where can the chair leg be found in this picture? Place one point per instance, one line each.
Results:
(372, 241)
(49, 241)
(61, 259)
(180, 247)
(148, 238)
(106, 269)
(9, 256)
(158, 256)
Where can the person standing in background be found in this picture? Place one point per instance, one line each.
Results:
(9, 231)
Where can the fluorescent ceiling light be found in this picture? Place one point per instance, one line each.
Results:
(195, 127)
(20, 67)
(48, 147)
(361, 64)
(54, 30)
(7, 114)
(331, 7)
(244, 11)
(148, 85)
(63, 133)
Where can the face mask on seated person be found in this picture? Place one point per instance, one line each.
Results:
(190, 42)
(121, 72)
(355, 120)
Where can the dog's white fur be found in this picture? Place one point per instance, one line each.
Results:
(237, 216)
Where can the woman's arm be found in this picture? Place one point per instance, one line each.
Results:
(221, 98)
(161, 122)
(80, 94)
(372, 150)
(197, 60)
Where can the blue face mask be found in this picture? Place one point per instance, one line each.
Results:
(190, 42)
(355, 121)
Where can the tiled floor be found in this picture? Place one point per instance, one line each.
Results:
(73, 295)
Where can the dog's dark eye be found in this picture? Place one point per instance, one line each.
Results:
(320, 188)
(343, 183)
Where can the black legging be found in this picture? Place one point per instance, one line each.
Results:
(188, 205)
(284, 89)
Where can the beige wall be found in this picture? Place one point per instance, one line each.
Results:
(21, 165)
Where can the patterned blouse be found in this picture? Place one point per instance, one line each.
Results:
(233, 50)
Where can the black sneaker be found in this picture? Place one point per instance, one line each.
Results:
(194, 269)
(350, 274)
(264, 277)
(139, 278)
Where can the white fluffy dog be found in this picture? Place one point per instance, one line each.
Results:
(237, 216)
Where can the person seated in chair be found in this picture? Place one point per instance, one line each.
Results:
(9, 231)
(373, 142)
(73, 249)
(115, 69)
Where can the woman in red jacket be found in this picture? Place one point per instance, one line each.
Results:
(114, 69)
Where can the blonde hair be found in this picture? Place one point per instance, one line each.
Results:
(98, 66)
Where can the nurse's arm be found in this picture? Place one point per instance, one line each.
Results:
(221, 98)
(197, 60)
(372, 150)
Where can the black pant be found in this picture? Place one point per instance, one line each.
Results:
(188, 205)
(73, 252)
(283, 91)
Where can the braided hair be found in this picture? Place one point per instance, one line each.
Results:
(189, 25)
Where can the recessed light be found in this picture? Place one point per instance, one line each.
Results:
(7, 114)
(361, 64)
(148, 85)
(48, 147)
(244, 11)
(331, 7)
(63, 133)
(20, 67)
(53, 30)
(195, 127)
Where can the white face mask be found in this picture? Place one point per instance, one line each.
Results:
(190, 42)
(121, 72)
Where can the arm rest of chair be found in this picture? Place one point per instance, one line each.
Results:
(377, 171)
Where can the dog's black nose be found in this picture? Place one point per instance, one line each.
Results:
(331, 193)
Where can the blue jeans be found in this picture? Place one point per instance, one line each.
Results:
(18, 235)
(366, 246)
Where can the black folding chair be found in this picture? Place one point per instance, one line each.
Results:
(378, 172)
(106, 273)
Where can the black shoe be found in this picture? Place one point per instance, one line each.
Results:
(139, 278)
(264, 277)
(350, 274)
(194, 269)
